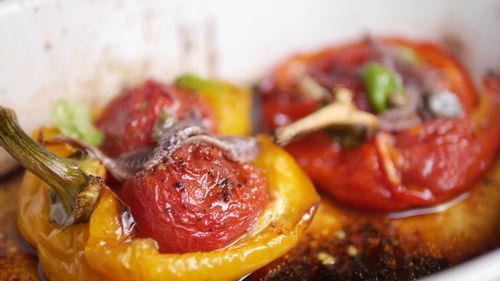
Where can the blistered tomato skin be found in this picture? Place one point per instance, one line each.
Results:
(432, 162)
(128, 119)
(200, 202)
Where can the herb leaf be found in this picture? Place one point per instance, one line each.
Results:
(195, 83)
(73, 119)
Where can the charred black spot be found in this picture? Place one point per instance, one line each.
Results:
(227, 196)
(179, 184)
(181, 163)
(225, 181)
(226, 189)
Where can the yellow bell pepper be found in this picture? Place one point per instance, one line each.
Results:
(106, 249)
(60, 251)
(231, 103)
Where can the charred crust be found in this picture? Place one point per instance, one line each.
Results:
(356, 252)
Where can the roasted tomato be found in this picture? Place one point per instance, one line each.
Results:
(204, 201)
(417, 158)
(127, 121)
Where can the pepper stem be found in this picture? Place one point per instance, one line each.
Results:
(64, 176)
(341, 112)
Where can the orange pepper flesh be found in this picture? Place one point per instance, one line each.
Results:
(456, 150)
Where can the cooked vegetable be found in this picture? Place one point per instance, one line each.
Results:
(107, 248)
(73, 119)
(207, 193)
(417, 158)
(380, 83)
(231, 103)
(278, 229)
(140, 107)
(204, 190)
(73, 193)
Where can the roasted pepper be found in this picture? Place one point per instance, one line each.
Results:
(112, 251)
(107, 247)
(226, 99)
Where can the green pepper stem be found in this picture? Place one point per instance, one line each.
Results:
(64, 176)
(341, 112)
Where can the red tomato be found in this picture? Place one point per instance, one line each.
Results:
(434, 161)
(201, 202)
(128, 119)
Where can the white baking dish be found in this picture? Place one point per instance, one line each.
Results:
(90, 49)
